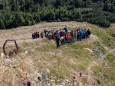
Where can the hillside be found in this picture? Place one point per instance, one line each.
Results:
(38, 56)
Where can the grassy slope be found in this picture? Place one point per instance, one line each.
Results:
(61, 63)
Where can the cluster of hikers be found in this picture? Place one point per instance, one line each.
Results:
(64, 35)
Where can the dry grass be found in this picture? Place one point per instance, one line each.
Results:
(24, 33)
(36, 56)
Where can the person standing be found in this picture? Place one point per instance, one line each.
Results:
(69, 37)
(66, 29)
(88, 33)
(57, 38)
(57, 41)
(41, 35)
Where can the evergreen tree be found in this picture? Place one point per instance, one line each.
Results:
(15, 13)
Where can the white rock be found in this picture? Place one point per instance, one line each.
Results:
(2, 55)
(39, 75)
(88, 49)
(48, 71)
(8, 61)
(26, 52)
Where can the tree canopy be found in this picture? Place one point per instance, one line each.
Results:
(14, 13)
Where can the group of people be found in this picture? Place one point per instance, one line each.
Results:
(37, 35)
(64, 35)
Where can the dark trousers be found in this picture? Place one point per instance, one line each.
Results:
(57, 43)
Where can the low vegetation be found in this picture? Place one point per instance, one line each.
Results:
(41, 55)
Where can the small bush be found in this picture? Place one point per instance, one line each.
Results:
(110, 57)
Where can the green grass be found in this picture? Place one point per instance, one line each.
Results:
(63, 62)
(104, 35)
